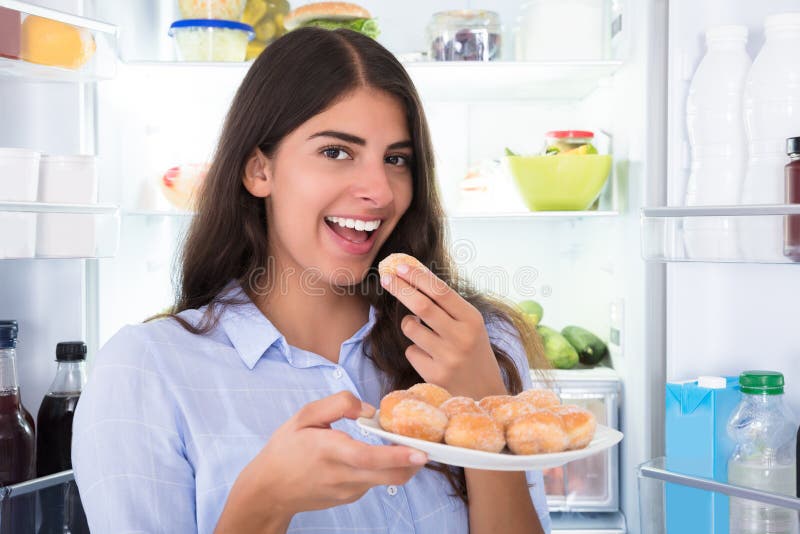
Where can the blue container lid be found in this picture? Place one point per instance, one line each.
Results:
(212, 23)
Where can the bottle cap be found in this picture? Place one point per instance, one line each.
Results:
(761, 382)
(712, 382)
(792, 146)
(8, 334)
(71, 351)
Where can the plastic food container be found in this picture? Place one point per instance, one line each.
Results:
(19, 174)
(68, 179)
(10, 33)
(17, 235)
(211, 40)
(211, 9)
(465, 35)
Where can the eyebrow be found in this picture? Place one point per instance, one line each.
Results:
(350, 138)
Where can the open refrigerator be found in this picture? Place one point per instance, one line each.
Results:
(144, 113)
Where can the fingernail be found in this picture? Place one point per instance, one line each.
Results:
(403, 268)
(386, 280)
(418, 458)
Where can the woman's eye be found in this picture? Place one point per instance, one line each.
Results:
(335, 153)
(397, 160)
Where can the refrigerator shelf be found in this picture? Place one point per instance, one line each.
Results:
(724, 234)
(530, 215)
(99, 65)
(508, 80)
(654, 476)
(44, 230)
(465, 81)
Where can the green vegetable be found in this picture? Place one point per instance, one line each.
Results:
(590, 348)
(366, 26)
(509, 152)
(552, 151)
(532, 310)
(557, 349)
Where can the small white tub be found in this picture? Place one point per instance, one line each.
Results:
(68, 179)
(19, 174)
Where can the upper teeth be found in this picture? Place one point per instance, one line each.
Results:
(355, 223)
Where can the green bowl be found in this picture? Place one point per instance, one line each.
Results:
(560, 183)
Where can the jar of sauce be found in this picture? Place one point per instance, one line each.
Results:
(791, 231)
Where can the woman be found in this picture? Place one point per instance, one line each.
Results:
(235, 413)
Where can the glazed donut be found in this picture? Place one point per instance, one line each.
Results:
(475, 431)
(579, 423)
(418, 419)
(508, 412)
(388, 404)
(389, 264)
(492, 402)
(537, 432)
(540, 398)
(430, 393)
(457, 405)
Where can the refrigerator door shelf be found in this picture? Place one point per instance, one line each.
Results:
(46, 230)
(654, 476)
(722, 234)
(54, 46)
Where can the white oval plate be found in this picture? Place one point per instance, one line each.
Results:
(604, 438)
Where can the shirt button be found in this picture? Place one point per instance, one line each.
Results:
(392, 490)
(338, 373)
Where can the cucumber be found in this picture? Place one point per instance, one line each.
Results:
(590, 348)
(532, 310)
(557, 349)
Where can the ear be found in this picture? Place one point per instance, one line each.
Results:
(256, 175)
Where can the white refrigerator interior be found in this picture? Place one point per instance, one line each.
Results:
(585, 267)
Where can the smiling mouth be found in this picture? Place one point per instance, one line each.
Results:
(353, 230)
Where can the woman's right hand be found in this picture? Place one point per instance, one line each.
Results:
(307, 465)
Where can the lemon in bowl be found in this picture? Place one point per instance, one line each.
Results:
(566, 182)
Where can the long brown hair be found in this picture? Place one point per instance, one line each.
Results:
(296, 77)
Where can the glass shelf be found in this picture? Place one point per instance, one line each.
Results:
(45, 230)
(727, 234)
(530, 215)
(508, 80)
(470, 81)
(655, 479)
(101, 65)
(31, 505)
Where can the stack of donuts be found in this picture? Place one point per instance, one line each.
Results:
(532, 422)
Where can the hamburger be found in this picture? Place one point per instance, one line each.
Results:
(333, 15)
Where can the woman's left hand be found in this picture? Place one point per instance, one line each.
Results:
(452, 348)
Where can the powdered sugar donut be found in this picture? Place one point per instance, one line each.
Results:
(579, 423)
(492, 402)
(475, 431)
(457, 405)
(389, 264)
(537, 432)
(388, 404)
(430, 393)
(507, 412)
(540, 398)
(418, 419)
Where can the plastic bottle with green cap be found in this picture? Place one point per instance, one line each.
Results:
(763, 428)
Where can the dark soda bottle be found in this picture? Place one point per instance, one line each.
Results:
(17, 442)
(61, 508)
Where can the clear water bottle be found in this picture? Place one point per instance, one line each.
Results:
(715, 127)
(763, 428)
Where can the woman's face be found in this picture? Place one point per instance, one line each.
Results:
(336, 187)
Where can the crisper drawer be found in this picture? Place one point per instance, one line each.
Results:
(590, 484)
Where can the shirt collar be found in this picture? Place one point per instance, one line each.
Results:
(252, 334)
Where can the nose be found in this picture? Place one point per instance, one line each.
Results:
(373, 184)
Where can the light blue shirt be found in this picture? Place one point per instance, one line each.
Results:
(169, 419)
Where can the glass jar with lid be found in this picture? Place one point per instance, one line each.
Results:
(465, 35)
(569, 142)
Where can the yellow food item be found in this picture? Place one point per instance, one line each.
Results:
(253, 11)
(265, 31)
(254, 48)
(53, 43)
